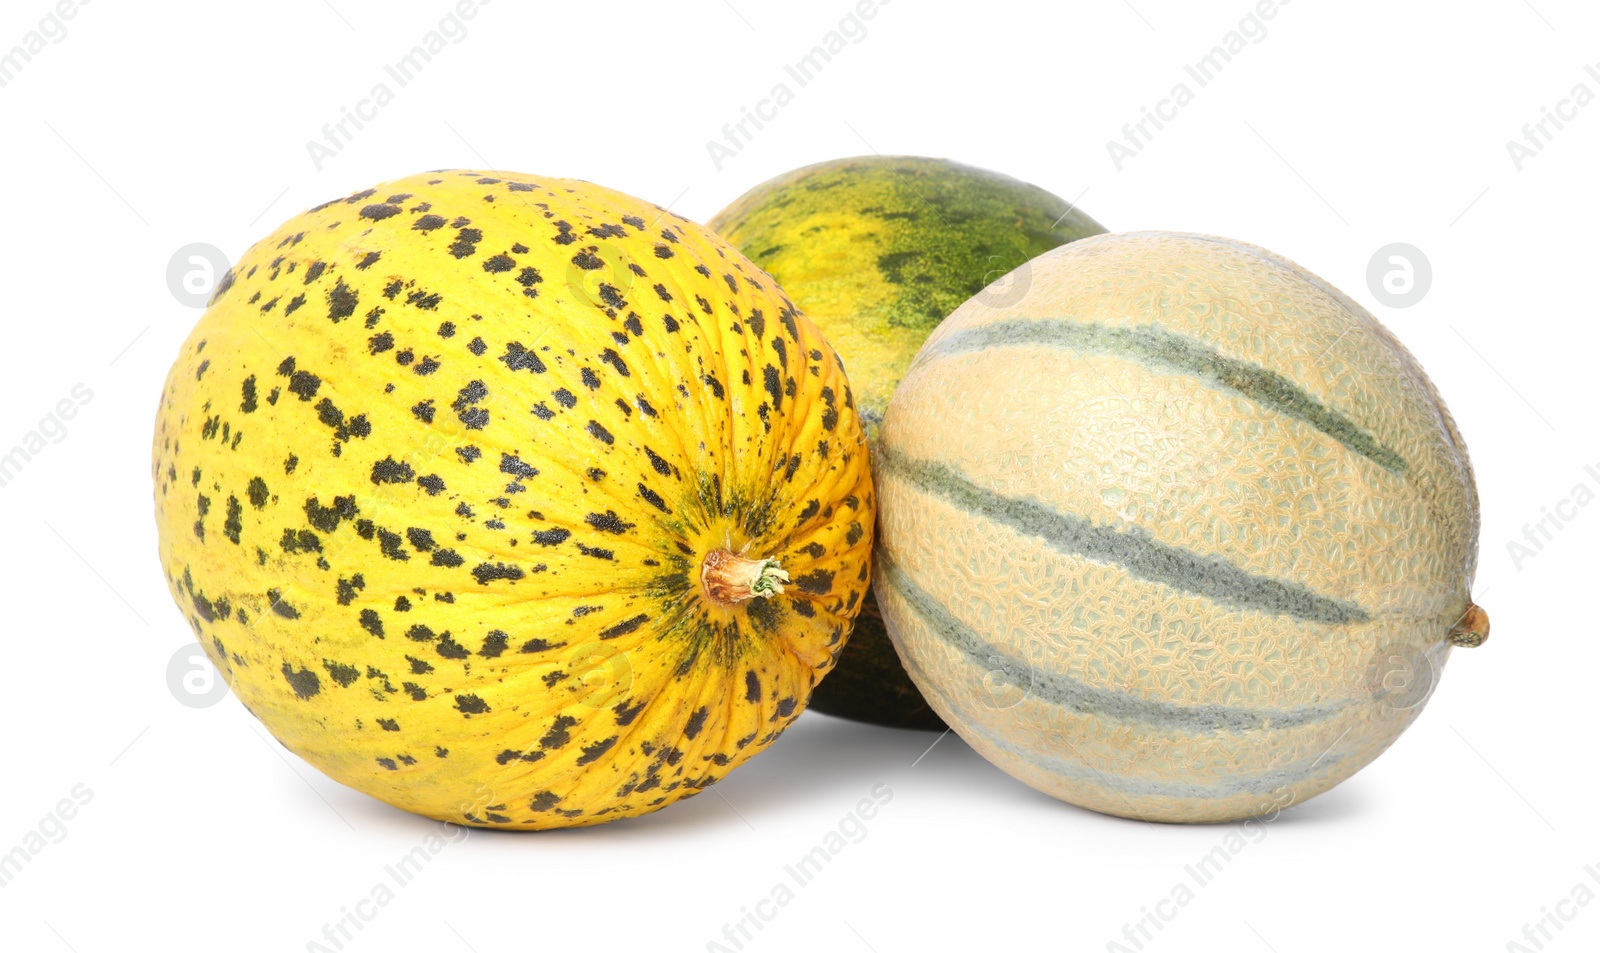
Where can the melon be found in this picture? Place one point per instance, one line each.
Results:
(877, 250)
(1182, 534)
(512, 501)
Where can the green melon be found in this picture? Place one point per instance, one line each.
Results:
(1182, 534)
(877, 251)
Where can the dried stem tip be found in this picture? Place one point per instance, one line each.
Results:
(1472, 630)
(729, 578)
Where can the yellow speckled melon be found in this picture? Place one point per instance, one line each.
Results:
(1183, 534)
(512, 501)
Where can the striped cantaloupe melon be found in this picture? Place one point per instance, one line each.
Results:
(1184, 534)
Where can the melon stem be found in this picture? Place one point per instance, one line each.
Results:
(1472, 629)
(729, 578)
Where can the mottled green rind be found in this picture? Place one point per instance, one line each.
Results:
(869, 683)
(877, 251)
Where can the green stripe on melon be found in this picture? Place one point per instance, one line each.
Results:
(877, 251)
(1003, 667)
(1175, 353)
(1129, 547)
(1037, 752)
(1181, 534)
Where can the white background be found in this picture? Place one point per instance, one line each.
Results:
(1351, 125)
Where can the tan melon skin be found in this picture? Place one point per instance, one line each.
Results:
(1187, 464)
